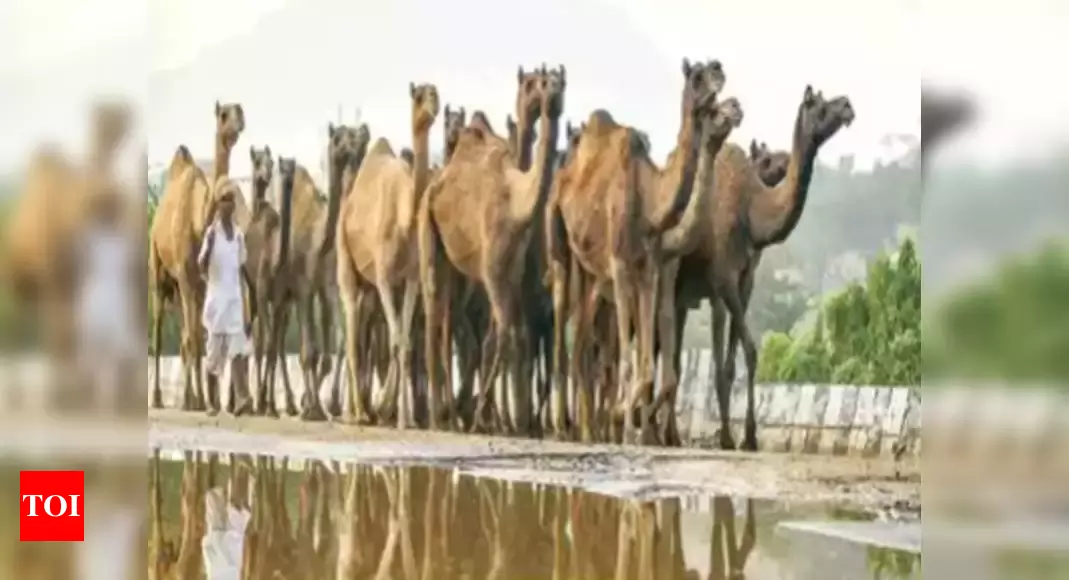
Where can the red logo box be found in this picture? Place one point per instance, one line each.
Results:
(51, 506)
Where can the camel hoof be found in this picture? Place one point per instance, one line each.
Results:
(271, 412)
(334, 410)
(212, 412)
(727, 442)
(313, 413)
(245, 408)
(749, 444)
(156, 403)
(291, 410)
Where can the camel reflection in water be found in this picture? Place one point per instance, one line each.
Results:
(334, 522)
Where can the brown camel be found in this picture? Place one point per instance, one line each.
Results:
(771, 165)
(747, 216)
(477, 215)
(609, 208)
(174, 241)
(303, 274)
(266, 222)
(376, 246)
(714, 130)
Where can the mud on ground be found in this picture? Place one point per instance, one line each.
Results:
(626, 471)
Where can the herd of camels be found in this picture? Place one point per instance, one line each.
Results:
(498, 253)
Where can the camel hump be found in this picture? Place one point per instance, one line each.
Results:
(381, 147)
(638, 143)
(601, 121)
(479, 120)
(181, 157)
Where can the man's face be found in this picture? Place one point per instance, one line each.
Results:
(226, 206)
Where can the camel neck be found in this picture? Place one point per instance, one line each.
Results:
(776, 211)
(421, 158)
(221, 162)
(539, 177)
(525, 135)
(675, 187)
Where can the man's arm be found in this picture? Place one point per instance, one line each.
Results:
(205, 257)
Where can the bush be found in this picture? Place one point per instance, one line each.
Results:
(866, 334)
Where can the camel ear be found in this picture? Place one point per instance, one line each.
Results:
(543, 71)
(447, 109)
(267, 150)
(463, 113)
(753, 149)
(252, 153)
(331, 129)
(218, 108)
(808, 97)
(686, 67)
(563, 73)
(412, 89)
(519, 74)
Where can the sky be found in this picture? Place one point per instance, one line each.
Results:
(292, 63)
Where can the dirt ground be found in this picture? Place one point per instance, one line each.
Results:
(627, 471)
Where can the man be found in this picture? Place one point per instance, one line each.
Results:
(222, 261)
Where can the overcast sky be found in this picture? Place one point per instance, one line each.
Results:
(291, 63)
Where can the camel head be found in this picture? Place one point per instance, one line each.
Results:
(942, 114)
(554, 81)
(720, 122)
(347, 145)
(425, 107)
(771, 165)
(572, 133)
(229, 122)
(819, 118)
(528, 97)
(455, 120)
(287, 170)
(703, 82)
(263, 166)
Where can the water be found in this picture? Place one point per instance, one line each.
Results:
(326, 519)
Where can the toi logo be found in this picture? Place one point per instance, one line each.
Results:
(51, 506)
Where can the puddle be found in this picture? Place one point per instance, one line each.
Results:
(224, 515)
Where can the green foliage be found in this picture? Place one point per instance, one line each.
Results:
(866, 334)
(1011, 325)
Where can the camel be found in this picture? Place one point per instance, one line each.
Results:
(302, 273)
(771, 165)
(477, 215)
(376, 247)
(746, 216)
(266, 221)
(174, 241)
(942, 114)
(609, 208)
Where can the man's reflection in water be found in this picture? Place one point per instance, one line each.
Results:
(330, 521)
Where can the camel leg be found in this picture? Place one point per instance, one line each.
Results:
(580, 367)
(389, 405)
(406, 384)
(447, 400)
(624, 297)
(193, 398)
(274, 332)
(745, 292)
(559, 272)
(311, 406)
(353, 307)
(157, 344)
(433, 304)
(721, 385)
(326, 326)
(667, 324)
(645, 327)
(733, 302)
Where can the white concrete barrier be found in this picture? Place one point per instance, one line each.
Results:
(836, 419)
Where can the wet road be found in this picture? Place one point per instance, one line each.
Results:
(285, 518)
